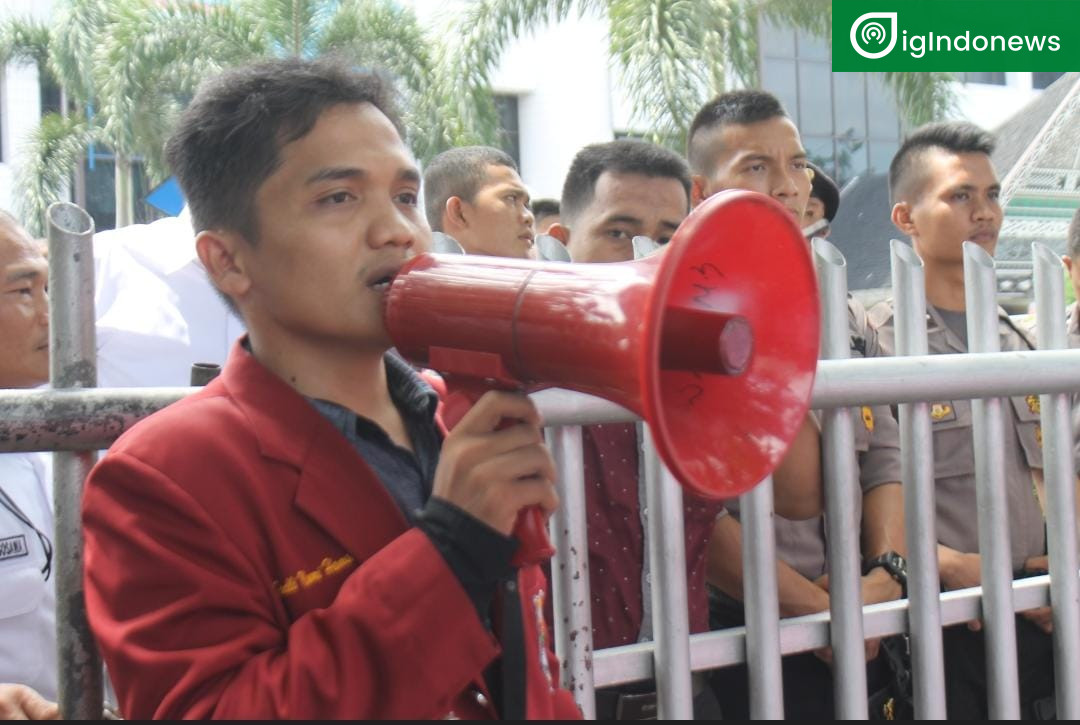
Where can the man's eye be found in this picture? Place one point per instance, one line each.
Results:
(408, 198)
(663, 240)
(619, 234)
(756, 168)
(961, 196)
(339, 197)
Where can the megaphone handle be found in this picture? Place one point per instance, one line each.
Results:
(530, 528)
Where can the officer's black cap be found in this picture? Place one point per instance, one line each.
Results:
(825, 188)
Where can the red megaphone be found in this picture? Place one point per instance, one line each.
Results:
(713, 340)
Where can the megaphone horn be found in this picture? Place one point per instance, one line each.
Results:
(713, 341)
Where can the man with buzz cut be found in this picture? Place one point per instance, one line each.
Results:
(944, 191)
(614, 192)
(745, 140)
(302, 538)
(474, 195)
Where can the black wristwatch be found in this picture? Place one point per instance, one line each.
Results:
(893, 563)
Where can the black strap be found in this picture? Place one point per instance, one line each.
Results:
(7, 502)
(512, 638)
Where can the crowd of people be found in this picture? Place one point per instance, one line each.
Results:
(304, 537)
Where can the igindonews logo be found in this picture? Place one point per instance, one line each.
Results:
(869, 35)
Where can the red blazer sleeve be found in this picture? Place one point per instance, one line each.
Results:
(176, 600)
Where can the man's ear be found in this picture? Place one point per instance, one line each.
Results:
(1067, 261)
(901, 218)
(454, 214)
(699, 187)
(223, 256)
(560, 232)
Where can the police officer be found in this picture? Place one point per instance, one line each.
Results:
(822, 205)
(27, 593)
(945, 191)
(744, 140)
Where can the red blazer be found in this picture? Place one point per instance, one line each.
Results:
(242, 561)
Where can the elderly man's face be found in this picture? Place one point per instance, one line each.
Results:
(24, 310)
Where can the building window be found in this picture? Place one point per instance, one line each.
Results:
(101, 191)
(509, 137)
(848, 121)
(985, 77)
(49, 93)
(1040, 80)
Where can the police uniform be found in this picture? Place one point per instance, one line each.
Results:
(27, 590)
(1072, 327)
(957, 509)
(802, 545)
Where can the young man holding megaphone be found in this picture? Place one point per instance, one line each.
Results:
(745, 140)
(301, 539)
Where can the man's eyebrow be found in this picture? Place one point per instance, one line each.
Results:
(335, 173)
(622, 219)
(23, 273)
(338, 173)
(669, 224)
(746, 156)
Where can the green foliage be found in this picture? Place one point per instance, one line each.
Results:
(58, 144)
(672, 55)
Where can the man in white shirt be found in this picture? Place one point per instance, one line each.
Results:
(27, 583)
(156, 312)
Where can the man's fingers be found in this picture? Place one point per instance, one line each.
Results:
(493, 408)
(18, 702)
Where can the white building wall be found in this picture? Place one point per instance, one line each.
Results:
(989, 106)
(20, 103)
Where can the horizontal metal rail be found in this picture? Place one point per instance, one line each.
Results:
(47, 420)
(709, 650)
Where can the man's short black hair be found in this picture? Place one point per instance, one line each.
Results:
(625, 156)
(957, 137)
(1072, 245)
(544, 207)
(229, 139)
(458, 172)
(734, 107)
(823, 187)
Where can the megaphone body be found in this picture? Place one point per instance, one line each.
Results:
(713, 340)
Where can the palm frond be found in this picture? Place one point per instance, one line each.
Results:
(478, 38)
(25, 40)
(51, 153)
(292, 27)
(384, 35)
(78, 27)
(151, 62)
(922, 97)
(671, 56)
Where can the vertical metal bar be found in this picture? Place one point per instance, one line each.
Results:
(761, 602)
(988, 428)
(667, 573)
(1060, 478)
(72, 365)
(917, 472)
(571, 596)
(842, 493)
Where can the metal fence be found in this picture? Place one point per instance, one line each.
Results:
(78, 422)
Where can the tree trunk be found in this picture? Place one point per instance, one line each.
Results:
(125, 203)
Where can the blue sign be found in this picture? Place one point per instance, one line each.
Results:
(167, 197)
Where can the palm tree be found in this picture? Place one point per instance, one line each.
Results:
(673, 54)
(137, 64)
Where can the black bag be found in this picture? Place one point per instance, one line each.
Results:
(893, 700)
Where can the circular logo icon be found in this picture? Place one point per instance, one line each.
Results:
(873, 35)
